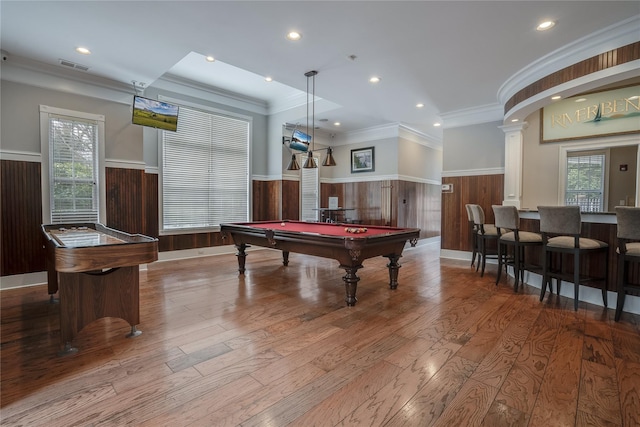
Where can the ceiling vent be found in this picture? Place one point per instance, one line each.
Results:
(70, 64)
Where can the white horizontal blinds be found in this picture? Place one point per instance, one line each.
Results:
(205, 171)
(585, 181)
(310, 190)
(73, 169)
(230, 167)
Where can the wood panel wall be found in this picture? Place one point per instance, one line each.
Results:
(483, 190)
(389, 202)
(133, 206)
(596, 63)
(21, 208)
(125, 201)
(266, 200)
(290, 200)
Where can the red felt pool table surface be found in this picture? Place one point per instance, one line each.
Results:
(328, 229)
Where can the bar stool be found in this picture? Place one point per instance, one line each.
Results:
(474, 234)
(485, 233)
(560, 227)
(628, 250)
(509, 234)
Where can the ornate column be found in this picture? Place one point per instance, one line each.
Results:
(513, 147)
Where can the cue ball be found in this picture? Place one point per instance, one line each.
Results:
(282, 224)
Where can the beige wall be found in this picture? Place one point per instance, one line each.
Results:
(622, 184)
(541, 166)
(21, 120)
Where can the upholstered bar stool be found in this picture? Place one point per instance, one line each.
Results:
(474, 234)
(485, 233)
(560, 227)
(507, 222)
(628, 219)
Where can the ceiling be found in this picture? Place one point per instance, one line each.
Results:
(448, 55)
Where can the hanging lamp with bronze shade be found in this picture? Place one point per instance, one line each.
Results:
(310, 162)
(329, 160)
(293, 164)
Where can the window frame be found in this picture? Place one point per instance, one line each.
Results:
(45, 113)
(160, 137)
(595, 145)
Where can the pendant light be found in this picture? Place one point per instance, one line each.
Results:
(310, 163)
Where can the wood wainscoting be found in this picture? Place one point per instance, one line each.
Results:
(483, 190)
(393, 203)
(21, 239)
(133, 207)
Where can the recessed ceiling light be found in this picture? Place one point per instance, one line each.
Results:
(436, 125)
(420, 105)
(268, 79)
(210, 58)
(83, 50)
(514, 120)
(546, 25)
(374, 79)
(580, 99)
(556, 97)
(336, 124)
(294, 36)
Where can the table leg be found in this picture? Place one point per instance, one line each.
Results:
(285, 258)
(393, 270)
(351, 280)
(242, 257)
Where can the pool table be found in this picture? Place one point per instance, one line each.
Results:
(349, 244)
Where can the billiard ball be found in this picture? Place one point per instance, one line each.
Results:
(282, 224)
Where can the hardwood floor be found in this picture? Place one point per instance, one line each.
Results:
(280, 347)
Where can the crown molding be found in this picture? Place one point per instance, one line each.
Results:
(194, 89)
(603, 40)
(55, 77)
(472, 116)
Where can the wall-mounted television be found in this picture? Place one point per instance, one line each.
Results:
(156, 114)
(299, 141)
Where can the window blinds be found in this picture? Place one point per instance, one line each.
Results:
(205, 171)
(585, 181)
(310, 190)
(73, 170)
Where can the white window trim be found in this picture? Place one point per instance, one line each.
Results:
(596, 144)
(44, 152)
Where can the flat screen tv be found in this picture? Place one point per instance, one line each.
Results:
(299, 141)
(156, 114)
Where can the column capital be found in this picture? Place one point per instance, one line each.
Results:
(514, 127)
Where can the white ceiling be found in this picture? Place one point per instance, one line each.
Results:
(449, 55)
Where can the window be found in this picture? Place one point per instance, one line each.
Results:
(72, 166)
(205, 171)
(310, 189)
(585, 180)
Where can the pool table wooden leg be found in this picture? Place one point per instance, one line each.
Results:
(242, 256)
(351, 280)
(285, 258)
(393, 270)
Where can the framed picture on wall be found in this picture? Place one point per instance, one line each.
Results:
(363, 160)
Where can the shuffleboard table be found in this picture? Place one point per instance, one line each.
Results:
(95, 270)
(349, 244)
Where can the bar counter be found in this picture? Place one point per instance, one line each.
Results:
(601, 226)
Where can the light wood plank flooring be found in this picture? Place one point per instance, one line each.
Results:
(280, 347)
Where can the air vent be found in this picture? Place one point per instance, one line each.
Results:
(70, 64)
